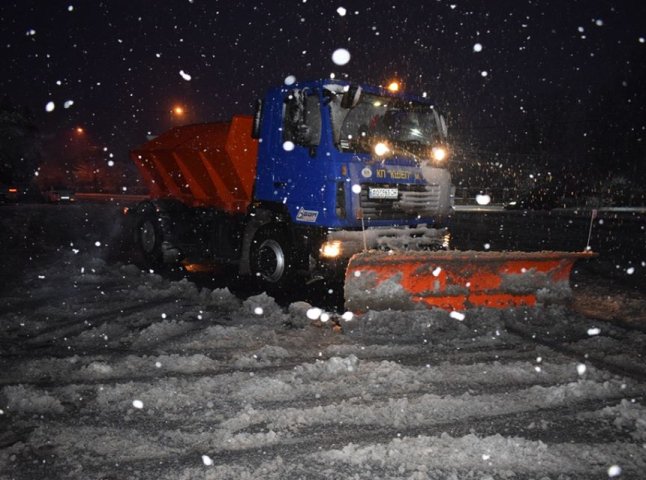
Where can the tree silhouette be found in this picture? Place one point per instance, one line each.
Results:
(20, 146)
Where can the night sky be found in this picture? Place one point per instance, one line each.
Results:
(518, 80)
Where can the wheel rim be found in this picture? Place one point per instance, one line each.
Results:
(270, 263)
(147, 236)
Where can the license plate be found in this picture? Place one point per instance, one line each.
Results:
(383, 193)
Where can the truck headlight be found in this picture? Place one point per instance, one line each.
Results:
(439, 153)
(382, 149)
(331, 249)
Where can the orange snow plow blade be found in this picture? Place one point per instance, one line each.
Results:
(457, 280)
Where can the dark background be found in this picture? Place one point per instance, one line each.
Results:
(562, 102)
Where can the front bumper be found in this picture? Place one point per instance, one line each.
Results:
(342, 244)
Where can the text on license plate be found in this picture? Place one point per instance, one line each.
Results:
(386, 193)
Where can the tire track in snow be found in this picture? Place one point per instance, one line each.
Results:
(46, 337)
(244, 449)
(563, 346)
(57, 376)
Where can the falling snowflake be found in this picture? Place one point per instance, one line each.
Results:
(457, 315)
(290, 80)
(594, 331)
(50, 106)
(314, 313)
(341, 56)
(483, 199)
(288, 146)
(185, 75)
(477, 47)
(208, 461)
(614, 471)
(341, 11)
(138, 404)
(581, 368)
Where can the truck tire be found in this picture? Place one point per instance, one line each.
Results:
(148, 240)
(272, 260)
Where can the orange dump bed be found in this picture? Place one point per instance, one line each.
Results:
(209, 164)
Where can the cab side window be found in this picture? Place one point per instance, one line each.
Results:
(302, 118)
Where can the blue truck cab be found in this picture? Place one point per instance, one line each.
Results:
(353, 167)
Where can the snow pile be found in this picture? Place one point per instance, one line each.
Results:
(627, 415)
(264, 309)
(24, 399)
(263, 356)
(430, 325)
(332, 368)
(478, 457)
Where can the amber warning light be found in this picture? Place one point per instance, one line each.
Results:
(393, 86)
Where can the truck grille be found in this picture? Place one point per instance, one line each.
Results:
(413, 201)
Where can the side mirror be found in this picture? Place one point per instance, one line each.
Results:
(441, 124)
(443, 127)
(257, 116)
(352, 97)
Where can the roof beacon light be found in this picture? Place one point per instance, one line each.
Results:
(394, 86)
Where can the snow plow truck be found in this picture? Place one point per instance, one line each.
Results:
(328, 180)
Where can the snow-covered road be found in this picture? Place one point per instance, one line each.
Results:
(109, 372)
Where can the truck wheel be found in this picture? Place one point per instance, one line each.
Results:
(271, 260)
(148, 239)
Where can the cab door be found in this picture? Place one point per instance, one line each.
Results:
(299, 174)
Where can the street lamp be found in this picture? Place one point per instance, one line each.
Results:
(169, 116)
(177, 114)
(178, 111)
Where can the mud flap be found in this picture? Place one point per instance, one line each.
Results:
(457, 280)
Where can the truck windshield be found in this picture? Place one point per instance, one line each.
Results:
(409, 125)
